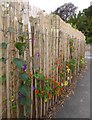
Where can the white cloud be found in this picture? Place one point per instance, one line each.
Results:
(51, 5)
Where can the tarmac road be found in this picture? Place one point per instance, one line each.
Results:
(78, 106)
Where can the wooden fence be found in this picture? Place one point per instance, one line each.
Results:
(35, 59)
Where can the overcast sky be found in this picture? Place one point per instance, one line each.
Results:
(51, 5)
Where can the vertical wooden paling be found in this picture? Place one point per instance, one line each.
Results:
(30, 61)
(1, 64)
(4, 89)
(8, 70)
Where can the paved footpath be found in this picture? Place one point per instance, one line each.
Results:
(78, 106)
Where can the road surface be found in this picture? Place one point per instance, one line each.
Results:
(78, 106)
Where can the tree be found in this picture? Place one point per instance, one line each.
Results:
(66, 11)
(88, 11)
(83, 22)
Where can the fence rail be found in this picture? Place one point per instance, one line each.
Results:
(40, 56)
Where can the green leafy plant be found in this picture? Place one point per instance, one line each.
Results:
(24, 76)
(21, 65)
(81, 62)
(72, 64)
(21, 47)
(62, 76)
(3, 78)
(25, 101)
(14, 106)
(47, 91)
(11, 29)
(24, 89)
(19, 62)
(3, 45)
(3, 60)
(71, 45)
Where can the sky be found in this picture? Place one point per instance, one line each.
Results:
(51, 5)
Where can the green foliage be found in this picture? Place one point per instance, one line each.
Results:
(20, 25)
(25, 90)
(83, 22)
(25, 101)
(71, 45)
(19, 62)
(3, 45)
(24, 76)
(23, 37)
(89, 40)
(14, 107)
(38, 76)
(20, 37)
(71, 40)
(72, 64)
(88, 11)
(11, 29)
(62, 76)
(21, 47)
(81, 62)
(3, 78)
(24, 86)
(3, 60)
(47, 91)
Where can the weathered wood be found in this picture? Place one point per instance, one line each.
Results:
(1, 65)
(49, 37)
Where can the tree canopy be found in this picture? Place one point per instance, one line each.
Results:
(83, 22)
(66, 11)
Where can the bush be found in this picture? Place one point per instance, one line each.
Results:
(89, 40)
